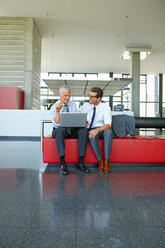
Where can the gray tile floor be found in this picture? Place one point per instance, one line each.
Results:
(44, 209)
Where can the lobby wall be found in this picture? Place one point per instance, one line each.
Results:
(20, 57)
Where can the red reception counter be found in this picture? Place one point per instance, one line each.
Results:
(11, 97)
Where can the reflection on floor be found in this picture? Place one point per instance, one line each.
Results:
(44, 209)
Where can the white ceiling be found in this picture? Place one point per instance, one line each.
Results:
(90, 35)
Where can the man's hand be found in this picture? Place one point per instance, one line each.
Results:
(93, 133)
(59, 106)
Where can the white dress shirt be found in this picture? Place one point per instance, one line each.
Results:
(71, 106)
(103, 114)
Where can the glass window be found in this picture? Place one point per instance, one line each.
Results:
(103, 76)
(126, 106)
(142, 109)
(125, 75)
(152, 110)
(152, 89)
(163, 110)
(117, 99)
(143, 88)
(164, 88)
(118, 93)
(126, 97)
(117, 75)
(66, 75)
(126, 90)
(105, 99)
(149, 96)
(143, 78)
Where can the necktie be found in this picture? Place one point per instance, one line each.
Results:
(93, 116)
(68, 129)
(66, 108)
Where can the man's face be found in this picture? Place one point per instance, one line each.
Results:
(93, 99)
(65, 96)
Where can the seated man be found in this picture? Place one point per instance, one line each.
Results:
(99, 125)
(60, 133)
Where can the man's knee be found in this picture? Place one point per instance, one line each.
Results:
(108, 133)
(83, 131)
(60, 131)
(93, 140)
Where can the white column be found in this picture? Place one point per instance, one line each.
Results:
(135, 88)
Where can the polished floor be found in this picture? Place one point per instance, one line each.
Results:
(40, 208)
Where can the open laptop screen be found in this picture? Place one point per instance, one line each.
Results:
(73, 119)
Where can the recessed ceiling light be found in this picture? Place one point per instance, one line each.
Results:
(144, 52)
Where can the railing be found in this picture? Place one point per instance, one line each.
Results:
(42, 130)
(149, 122)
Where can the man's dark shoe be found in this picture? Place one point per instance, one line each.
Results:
(64, 169)
(82, 167)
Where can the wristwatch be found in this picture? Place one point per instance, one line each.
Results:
(98, 130)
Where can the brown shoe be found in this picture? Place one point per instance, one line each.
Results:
(101, 166)
(107, 168)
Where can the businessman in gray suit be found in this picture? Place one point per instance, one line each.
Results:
(60, 133)
(99, 120)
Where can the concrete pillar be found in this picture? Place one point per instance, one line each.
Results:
(160, 95)
(20, 57)
(135, 87)
(111, 102)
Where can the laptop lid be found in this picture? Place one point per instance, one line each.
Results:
(73, 119)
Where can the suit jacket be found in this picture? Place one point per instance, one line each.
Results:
(122, 125)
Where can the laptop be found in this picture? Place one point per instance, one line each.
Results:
(73, 119)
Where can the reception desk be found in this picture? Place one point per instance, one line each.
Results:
(28, 122)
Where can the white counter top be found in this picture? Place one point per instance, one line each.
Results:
(28, 122)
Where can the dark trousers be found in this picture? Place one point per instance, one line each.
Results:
(80, 133)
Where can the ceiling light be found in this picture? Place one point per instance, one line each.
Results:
(144, 52)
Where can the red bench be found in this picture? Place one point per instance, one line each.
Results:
(138, 149)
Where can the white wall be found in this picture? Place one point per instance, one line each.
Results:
(28, 122)
(23, 122)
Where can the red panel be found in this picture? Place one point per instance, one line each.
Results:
(139, 149)
(22, 103)
(11, 98)
(23, 99)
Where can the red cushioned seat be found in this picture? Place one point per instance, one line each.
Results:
(139, 149)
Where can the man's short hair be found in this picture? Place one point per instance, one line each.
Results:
(97, 90)
(65, 88)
